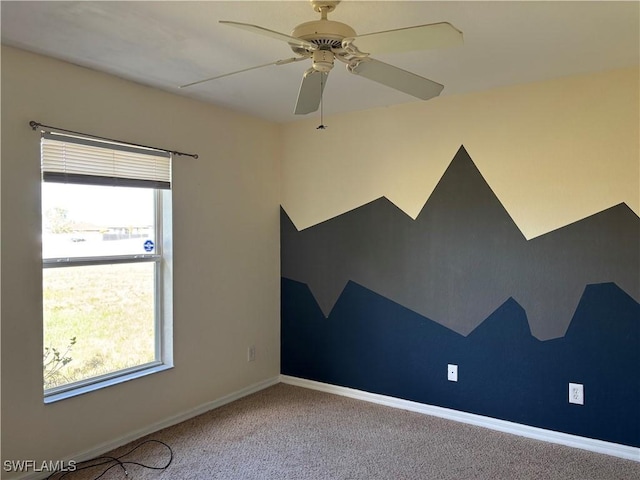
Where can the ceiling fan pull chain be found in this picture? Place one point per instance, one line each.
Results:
(322, 126)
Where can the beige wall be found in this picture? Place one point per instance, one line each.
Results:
(554, 152)
(226, 250)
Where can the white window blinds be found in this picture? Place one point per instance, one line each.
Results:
(69, 159)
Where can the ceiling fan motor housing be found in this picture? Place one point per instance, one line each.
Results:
(324, 33)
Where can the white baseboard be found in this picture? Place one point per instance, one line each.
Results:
(599, 446)
(167, 422)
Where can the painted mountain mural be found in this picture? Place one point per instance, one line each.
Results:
(377, 301)
(464, 256)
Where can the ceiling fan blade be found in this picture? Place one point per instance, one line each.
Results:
(277, 62)
(311, 90)
(396, 78)
(421, 37)
(298, 42)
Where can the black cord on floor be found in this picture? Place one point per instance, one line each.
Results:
(110, 462)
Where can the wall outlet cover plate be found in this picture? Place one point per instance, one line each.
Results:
(576, 393)
(452, 373)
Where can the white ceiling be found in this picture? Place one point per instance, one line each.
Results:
(166, 44)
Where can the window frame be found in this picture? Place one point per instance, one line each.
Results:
(162, 259)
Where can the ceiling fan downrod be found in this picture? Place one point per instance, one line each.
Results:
(324, 7)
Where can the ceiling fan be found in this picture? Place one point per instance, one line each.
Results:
(324, 41)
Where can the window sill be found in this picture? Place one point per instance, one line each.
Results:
(100, 383)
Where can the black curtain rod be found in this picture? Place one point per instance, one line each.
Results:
(35, 125)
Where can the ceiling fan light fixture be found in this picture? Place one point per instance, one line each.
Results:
(323, 60)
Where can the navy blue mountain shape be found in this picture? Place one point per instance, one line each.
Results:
(371, 343)
(464, 256)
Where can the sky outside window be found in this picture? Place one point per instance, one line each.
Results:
(89, 220)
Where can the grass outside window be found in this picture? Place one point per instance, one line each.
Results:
(108, 310)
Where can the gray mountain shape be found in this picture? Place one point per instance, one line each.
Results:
(464, 256)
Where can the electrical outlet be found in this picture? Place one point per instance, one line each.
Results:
(251, 353)
(452, 373)
(576, 393)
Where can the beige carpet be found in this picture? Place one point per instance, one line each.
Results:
(287, 432)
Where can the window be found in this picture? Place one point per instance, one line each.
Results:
(106, 248)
